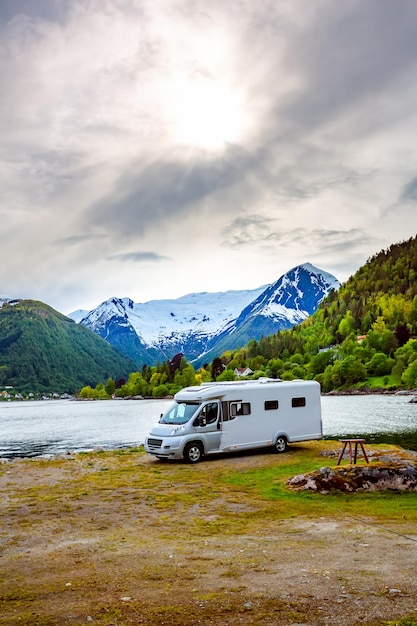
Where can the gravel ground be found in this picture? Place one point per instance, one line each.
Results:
(86, 540)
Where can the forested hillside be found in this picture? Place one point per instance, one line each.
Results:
(364, 332)
(42, 350)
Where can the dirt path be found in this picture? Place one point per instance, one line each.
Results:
(124, 539)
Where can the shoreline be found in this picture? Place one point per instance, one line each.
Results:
(365, 391)
(378, 391)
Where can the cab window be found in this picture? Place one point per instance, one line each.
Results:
(208, 414)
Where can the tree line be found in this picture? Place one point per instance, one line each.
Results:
(156, 381)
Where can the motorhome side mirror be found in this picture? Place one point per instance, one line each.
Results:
(160, 417)
(202, 421)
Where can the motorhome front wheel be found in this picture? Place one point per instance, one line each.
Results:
(193, 452)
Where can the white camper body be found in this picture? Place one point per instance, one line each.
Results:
(232, 416)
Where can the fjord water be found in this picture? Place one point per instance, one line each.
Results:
(31, 429)
(38, 428)
(377, 418)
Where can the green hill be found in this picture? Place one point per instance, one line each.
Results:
(363, 334)
(42, 350)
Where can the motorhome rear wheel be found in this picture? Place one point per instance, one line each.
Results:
(281, 444)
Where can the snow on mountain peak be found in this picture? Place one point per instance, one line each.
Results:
(195, 323)
(325, 276)
(295, 295)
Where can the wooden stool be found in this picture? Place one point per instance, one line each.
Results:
(352, 453)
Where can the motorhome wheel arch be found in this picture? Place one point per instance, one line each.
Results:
(232, 416)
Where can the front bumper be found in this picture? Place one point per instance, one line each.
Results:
(164, 447)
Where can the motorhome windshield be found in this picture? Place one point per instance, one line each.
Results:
(179, 413)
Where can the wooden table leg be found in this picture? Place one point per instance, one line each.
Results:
(363, 450)
(342, 453)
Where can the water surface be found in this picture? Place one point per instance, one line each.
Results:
(55, 426)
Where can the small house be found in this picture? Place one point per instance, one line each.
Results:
(243, 371)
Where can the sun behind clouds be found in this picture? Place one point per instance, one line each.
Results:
(207, 113)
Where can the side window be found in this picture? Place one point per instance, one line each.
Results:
(239, 408)
(296, 402)
(270, 405)
(225, 411)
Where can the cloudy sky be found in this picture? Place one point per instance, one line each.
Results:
(153, 148)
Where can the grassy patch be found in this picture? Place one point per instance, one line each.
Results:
(269, 483)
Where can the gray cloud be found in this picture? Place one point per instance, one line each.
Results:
(327, 239)
(45, 9)
(244, 230)
(350, 54)
(139, 257)
(247, 221)
(314, 187)
(410, 191)
(80, 239)
(168, 190)
(258, 231)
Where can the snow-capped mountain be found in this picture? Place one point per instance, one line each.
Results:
(203, 325)
(287, 302)
(159, 329)
(293, 297)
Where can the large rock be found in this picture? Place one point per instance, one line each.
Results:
(397, 476)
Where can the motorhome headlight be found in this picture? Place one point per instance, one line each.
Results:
(177, 430)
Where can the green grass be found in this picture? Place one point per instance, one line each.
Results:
(386, 382)
(270, 484)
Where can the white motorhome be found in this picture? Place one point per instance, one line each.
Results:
(232, 416)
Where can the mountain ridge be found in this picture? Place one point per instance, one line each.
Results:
(200, 324)
(44, 350)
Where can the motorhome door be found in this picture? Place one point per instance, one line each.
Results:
(207, 423)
